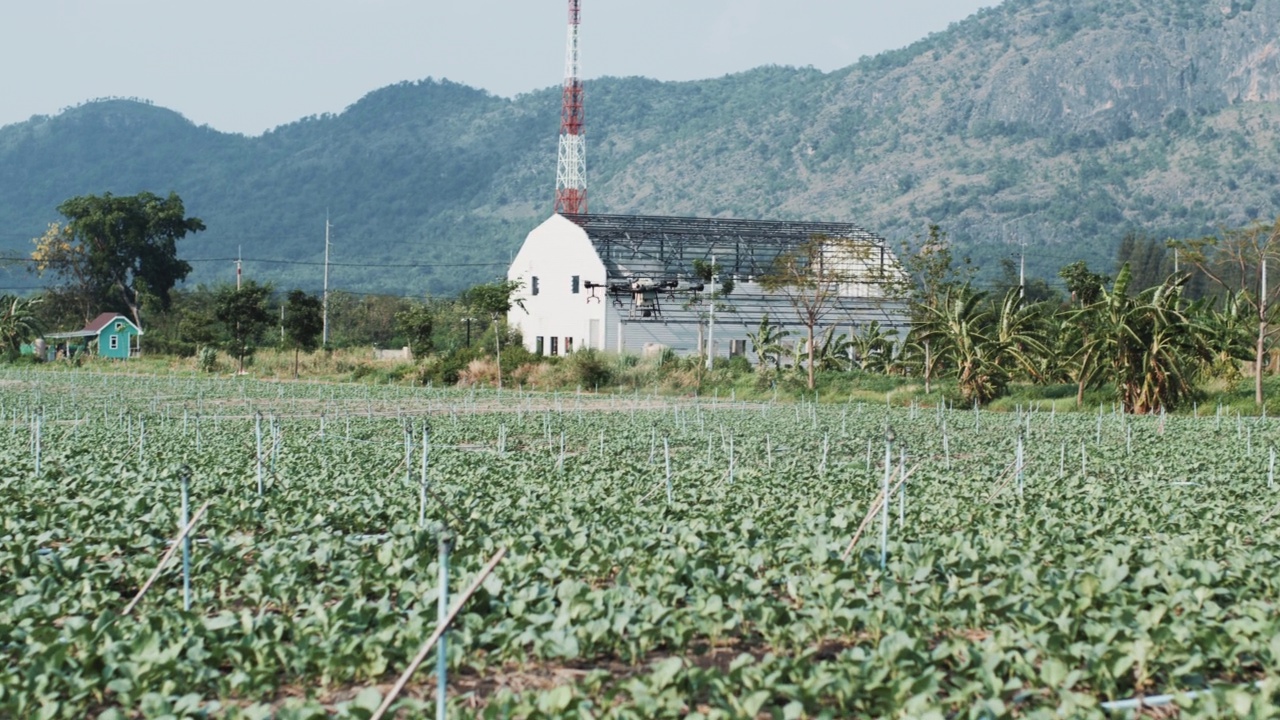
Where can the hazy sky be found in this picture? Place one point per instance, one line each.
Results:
(250, 65)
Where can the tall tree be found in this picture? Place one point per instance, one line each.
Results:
(934, 273)
(1084, 285)
(303, 323)
(496, 299)
(814, 274)
(1237, 261)
(417, 324)
(115, 249)
(1149, 260)
(243, 312)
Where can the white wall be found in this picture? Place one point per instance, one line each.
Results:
(554, 252)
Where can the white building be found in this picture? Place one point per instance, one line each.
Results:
(628, 283)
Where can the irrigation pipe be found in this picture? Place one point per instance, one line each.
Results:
(177, 542)
(439, 631)
(1141, 703)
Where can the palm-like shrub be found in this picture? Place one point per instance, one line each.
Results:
(1150, 345)
(1229, 333)
(767, 341)
(873, 348)
(960, 331)
(18, 323)
(982, 343)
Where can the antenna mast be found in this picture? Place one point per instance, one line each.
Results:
(571, 170)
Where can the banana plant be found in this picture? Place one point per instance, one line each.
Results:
(1230, 332)
(963, 332)
(767, 341)
(873, 348)
(18, 322)
(1148, 345)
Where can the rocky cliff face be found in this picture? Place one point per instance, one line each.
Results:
(1057, 121)
(1117, 66)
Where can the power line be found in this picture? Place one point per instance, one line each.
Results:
(320, 263)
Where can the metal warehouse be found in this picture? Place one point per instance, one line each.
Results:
(629, 284)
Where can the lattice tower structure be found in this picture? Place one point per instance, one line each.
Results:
(571, 169)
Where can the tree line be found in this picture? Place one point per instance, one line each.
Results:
(1177, 314)
(120, 254)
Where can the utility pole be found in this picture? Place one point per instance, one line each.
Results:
(711, 319)
(324, 333)
(1022, 272)
(1262, 331)
(238, 263)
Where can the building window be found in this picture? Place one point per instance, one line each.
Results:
(568, 345)
(555, 346)
(537, 346)
(114, 343)
(577, 283)
(533, 286)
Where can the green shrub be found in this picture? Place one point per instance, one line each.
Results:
(207, 361)
(736, 365)
(590, 369)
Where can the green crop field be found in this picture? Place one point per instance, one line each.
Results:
(665, 558)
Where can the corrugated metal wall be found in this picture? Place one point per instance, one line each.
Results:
(683, 337)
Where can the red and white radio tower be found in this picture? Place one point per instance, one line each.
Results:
(571, 171)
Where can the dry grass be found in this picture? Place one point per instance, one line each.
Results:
(479, 372)
(267, 363)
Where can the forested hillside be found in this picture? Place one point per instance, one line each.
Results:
(1066, 125)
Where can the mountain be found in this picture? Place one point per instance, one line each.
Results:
(1061, 125)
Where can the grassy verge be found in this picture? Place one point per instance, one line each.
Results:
(591, 371)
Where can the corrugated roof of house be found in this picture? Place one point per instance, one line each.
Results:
(94, 327)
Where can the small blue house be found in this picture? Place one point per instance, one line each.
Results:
(114, 335)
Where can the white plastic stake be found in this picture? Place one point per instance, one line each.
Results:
(186, 541)
(442, 615)
(884, 506)
(731, 460)
(902, 491)
(37, 443)
(666, 451)
(422, 484)
(825, 438)
(257, 433)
